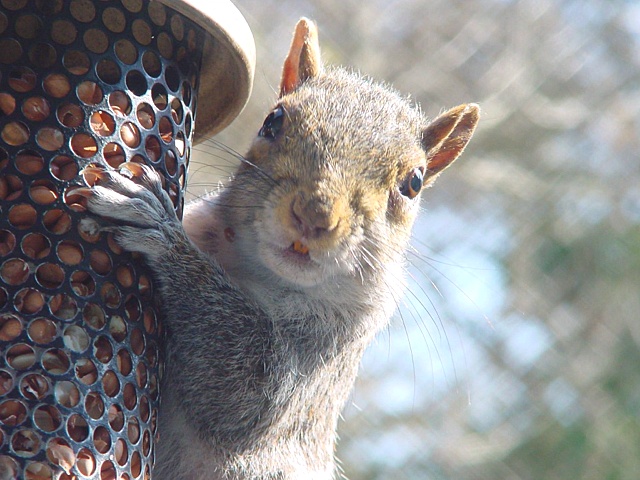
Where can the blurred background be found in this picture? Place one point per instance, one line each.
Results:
(516, 354)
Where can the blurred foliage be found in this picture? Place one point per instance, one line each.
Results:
(517, 353)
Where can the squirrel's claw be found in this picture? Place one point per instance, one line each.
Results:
(133, 199)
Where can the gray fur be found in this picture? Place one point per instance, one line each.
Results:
(261, 352)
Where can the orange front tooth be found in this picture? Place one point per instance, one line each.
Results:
(300, 247)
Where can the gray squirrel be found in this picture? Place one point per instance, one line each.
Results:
(273, 286)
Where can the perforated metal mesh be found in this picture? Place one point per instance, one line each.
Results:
(83, 82)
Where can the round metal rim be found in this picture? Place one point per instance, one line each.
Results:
(228, 63)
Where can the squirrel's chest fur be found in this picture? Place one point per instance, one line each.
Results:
(313, 367)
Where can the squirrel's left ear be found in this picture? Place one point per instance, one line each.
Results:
(445, 138)
(303, 60)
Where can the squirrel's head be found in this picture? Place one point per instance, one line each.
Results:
(342, 162)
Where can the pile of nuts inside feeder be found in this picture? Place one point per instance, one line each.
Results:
(84, 85)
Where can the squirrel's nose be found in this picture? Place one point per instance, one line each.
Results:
(314, 217)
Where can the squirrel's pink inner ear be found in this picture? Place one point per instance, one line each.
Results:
(446, 137)
(304, 60)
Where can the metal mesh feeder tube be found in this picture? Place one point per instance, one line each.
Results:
(89, 83)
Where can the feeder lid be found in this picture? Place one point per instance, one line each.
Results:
(228, 62)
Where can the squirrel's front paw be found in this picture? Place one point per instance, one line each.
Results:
(142, 213)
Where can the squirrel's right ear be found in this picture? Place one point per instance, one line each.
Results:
(303, 61)
(445, 138)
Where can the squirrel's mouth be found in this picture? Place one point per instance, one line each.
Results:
(294, 263)
(299, 248)
(298, 252)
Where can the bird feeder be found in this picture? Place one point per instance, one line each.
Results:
(82, 83)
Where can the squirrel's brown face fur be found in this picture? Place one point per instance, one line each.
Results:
(331, 186)
(345, 159)
(337, 194)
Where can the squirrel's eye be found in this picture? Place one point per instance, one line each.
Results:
(272, 124)
(413, 184)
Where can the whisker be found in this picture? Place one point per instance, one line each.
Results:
(367, 257)
(393, 294)
(459, 289)
(221, 146)
(437, 320)
(358, 263)
(424, 332)
(449, 263)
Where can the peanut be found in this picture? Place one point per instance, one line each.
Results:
(67, 394)
(28, 301)
(116, 417)
(29, 163)
(69, 252)
(64, 168)
(42, 331)
(90, 93)
(123, 361)
(110, 383)
(12, 413)
(50, 138)
(36, 109)
(57, 221)
(94, 405)
(47, 418)
(55, 361)
(43, 195)
(61, 454)
(145, 116)
(84, 145)
(121, 452)
(10, 327)
(22, 216)
(14, 271)
(15, 133)
(119, 102)
(102, 441)
(7, 103)
(34, 387)
(130, 135)
(56, 85)
(21, 356)
(85, 462)
(75, 338)
(102, 123)
(86, 371)
(50, 275)
(100, 262)
(70, 115)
